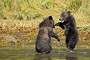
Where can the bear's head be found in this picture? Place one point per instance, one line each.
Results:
(47, 22)
(65, 16)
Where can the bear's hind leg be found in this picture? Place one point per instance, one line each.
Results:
(72, 45)
(67, 45)
(67, 42)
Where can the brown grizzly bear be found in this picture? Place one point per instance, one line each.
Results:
(69, 25)
(44, 35)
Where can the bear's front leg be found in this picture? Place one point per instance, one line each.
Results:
(60, 25)
(52, 34)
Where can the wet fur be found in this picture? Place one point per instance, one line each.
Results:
(43, 39)
(71, 33)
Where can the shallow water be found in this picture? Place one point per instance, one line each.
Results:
(27, 53)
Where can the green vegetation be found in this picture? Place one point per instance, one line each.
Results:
(37, 9)
(32, 8)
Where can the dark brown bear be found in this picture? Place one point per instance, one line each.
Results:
(69, 25)
(44, 35)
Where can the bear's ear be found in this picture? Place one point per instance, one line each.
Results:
(68, 12)
(50, 18)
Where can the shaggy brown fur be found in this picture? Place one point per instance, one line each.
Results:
(69, 25)
(44, 35)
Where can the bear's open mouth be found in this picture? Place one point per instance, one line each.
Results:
(62, 21)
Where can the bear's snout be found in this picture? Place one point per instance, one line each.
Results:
(62, 20)
(59, 19)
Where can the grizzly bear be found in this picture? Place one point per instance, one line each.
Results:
(69, 25)
(44, 35)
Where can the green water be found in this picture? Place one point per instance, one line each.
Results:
(26, 52)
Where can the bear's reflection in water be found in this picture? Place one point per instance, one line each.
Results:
(42, 57)
(49, 57)
(71, 58)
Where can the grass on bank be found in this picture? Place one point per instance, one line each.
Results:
(29, 13)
